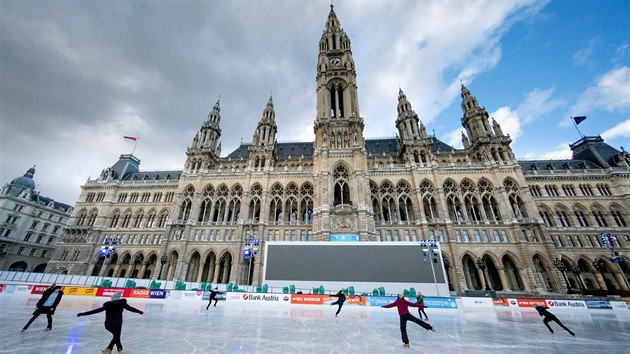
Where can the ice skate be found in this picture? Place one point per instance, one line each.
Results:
(406, 345)
(107, 351)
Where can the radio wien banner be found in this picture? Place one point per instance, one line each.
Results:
(531, 302)
(566, 304)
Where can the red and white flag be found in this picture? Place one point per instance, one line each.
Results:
(130, 138)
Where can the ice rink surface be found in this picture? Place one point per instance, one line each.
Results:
(180, 327)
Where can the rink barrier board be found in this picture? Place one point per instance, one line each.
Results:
(312, 299)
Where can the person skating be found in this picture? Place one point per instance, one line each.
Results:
(542, 310)
(420, 301)
(213, 296)
(46, 305)
(403, 311)
(113, 318)
(341, 298)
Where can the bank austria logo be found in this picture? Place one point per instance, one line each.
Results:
(565, 303)
(257, 297)
(245, 297)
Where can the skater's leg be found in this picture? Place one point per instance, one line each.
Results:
(339, 309)
(421, 312)
(563, 326)
(420, 322)
(215, 302)
(35, 315)
(115, 331)
(403, 328)
(546, 322)
(49, 318)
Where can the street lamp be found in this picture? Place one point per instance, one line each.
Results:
(576, 273)
(562, 268)
(447, 265)
(609, 241)
(249, 253)
(163, 261)
(429, 253)
(107, 250)
(137, 259)
(482, 265)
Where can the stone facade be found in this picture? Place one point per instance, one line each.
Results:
(518, 217)
(30, 225)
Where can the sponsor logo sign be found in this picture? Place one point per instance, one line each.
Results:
(138, 293)
(38, 289)
(157, 294)
(108, 292)
(476, 302)
(307, 299)
(598, 304)
(1, 288)
(531, 302)
(566, 304)
(440, 302)
(501, 301)
(382, 300)
(619, 305)
(79, 291)
(260, 298)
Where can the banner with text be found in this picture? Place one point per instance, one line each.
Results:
(282, 299)
(566, 304)
(79, 291)
(477, 302)
(530, 303)
(598, 304)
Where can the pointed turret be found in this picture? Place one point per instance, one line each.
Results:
(407, 121)
(484, 143)
(263, 147)
(205, 148)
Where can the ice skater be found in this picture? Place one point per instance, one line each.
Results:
(542, 310)
(403, 311)
(46, 305)
(113, 318)
(420, 301)
(213, 296)
(341, 298)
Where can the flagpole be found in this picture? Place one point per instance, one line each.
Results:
(135, 145)
(576, 127)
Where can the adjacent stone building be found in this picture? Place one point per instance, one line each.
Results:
(501, 222)
(30, 225)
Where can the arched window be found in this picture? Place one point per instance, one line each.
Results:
(341, 190)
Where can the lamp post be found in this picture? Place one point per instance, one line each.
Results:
(107, 250)
(163, 261)
(576, 273)
(609, 241)
(137, 259)
(429, 253)
(447, 265)
(249, 253)
(562, 268)
(482, 265)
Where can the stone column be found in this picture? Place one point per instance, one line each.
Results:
(600, 280)
(199, 272)
(142, 270)
(503, 278)
(620, 280)
(215, 277)
(116, 270)
(482, 277)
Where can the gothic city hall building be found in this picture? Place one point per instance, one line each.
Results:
(524, 226)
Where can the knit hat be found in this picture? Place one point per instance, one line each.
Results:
(117, 295)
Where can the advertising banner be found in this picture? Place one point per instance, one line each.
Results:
(206, 296)
(531, 303)
(566, 304)
(355, 300)
(382, 300)
(598, 304)
(308, 299)
(38, 289)
(79, 291)
(157, 294)
(477, 302)
(108, 292)
(500, 301)
(440, 302)
(137, 293)
(284, 299)
(1, 288)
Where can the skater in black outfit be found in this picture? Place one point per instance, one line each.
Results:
(213, 296)
(403, 311)
(420, 301)
(341, 298)
(113, 318)
(46, 305)
(551, 317)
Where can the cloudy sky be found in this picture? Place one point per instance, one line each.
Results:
(76, 76)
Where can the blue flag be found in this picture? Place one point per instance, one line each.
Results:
(579, 119)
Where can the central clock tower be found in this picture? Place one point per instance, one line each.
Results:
(340, 162)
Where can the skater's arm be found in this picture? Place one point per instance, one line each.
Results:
(100, 309)
(131, 308)
(390, 305)
(414, 304)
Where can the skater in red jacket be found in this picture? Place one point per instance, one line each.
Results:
(403, 311)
